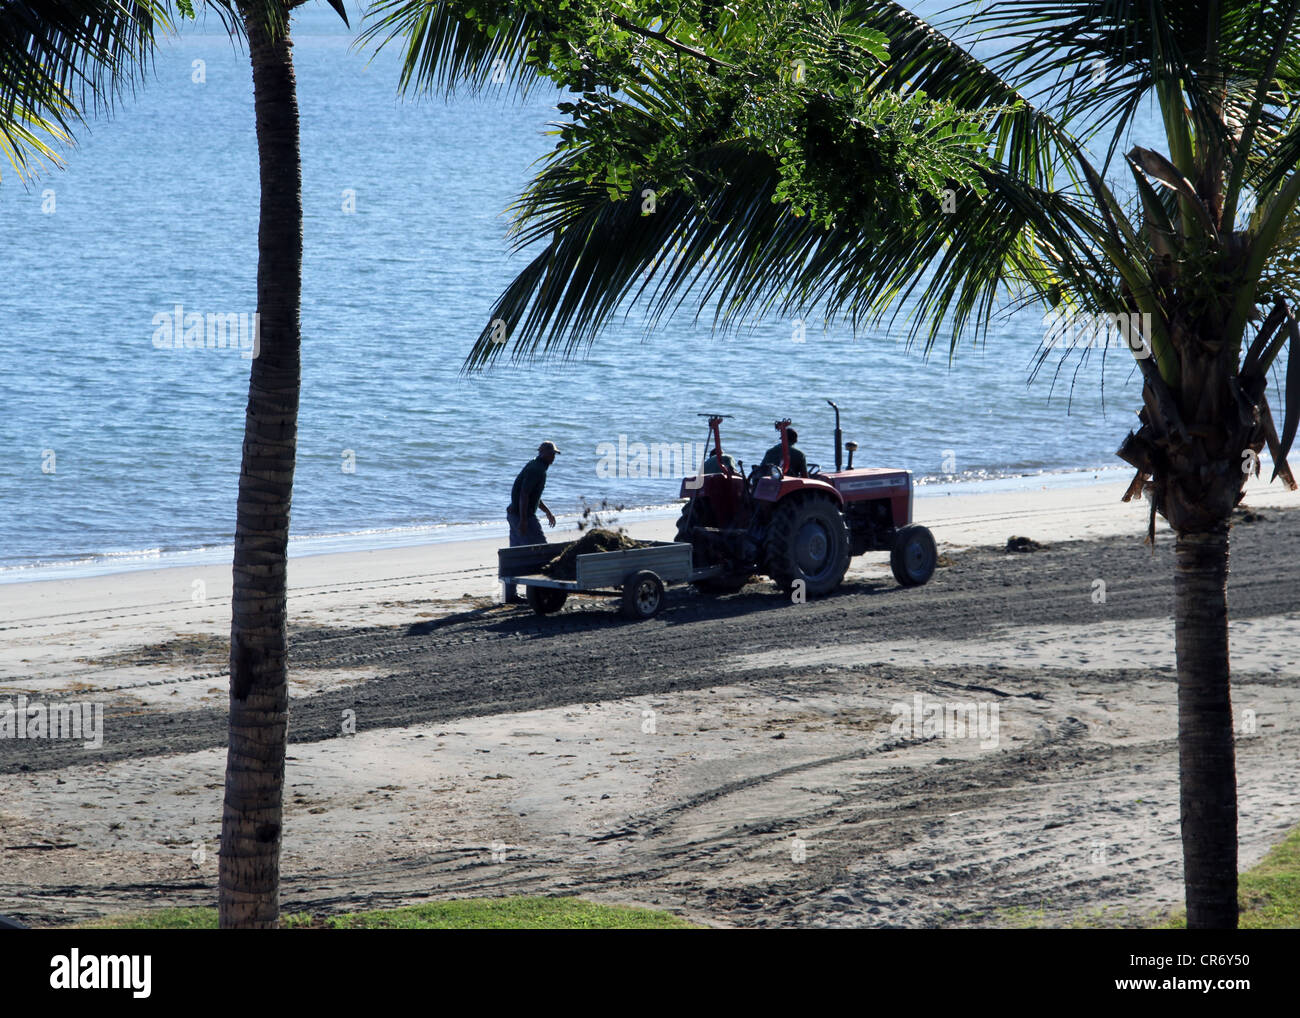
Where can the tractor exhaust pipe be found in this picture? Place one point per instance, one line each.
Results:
(839, 439)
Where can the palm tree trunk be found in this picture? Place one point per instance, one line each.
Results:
(1206, 752)
(259, 697)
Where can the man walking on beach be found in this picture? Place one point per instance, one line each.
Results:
(525, 500)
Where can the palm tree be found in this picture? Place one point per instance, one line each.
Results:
(48, 51)
(1199, 241)
(58, 57)
(448, 49)
(249, 871)
(251, 822)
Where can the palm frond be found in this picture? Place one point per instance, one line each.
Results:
(58, 57)
(735, 247)
(446, 45)
(29, 145)
(1097, 61)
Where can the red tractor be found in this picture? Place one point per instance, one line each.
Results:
(799, 530)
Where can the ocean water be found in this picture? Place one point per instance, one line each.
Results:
(113, 450)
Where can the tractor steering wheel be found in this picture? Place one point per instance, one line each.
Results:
(814, 469)
(760, 472)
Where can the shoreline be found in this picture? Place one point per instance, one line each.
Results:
(420, 536)
(117, 612)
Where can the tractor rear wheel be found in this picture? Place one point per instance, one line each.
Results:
(808, 541)
(913, 556)
(697, 513)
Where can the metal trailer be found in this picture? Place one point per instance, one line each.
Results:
(638, 575)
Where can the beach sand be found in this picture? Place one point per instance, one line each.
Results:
(768, 787)
(43, 620)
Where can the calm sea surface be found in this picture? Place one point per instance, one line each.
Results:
(115, 451)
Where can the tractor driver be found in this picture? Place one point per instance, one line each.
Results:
(711, 465)
(798, 461)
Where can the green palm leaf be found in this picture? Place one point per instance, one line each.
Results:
(58, 56)
(449, 44)
(738, 250)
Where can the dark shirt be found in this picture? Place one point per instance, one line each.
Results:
(798, 461)
(528, 487)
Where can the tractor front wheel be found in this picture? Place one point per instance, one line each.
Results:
(913, 556)
(808, 541)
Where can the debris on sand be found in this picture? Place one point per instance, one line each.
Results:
(1243, 514)
(1022, 544)
(565, 565)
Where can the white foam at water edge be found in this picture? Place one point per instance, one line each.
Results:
(379, 538)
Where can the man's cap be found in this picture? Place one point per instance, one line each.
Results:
(548, 447)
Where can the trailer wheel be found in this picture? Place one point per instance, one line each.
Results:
(643, 595)
(808, 540)
(546, 600)
(913, 556)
